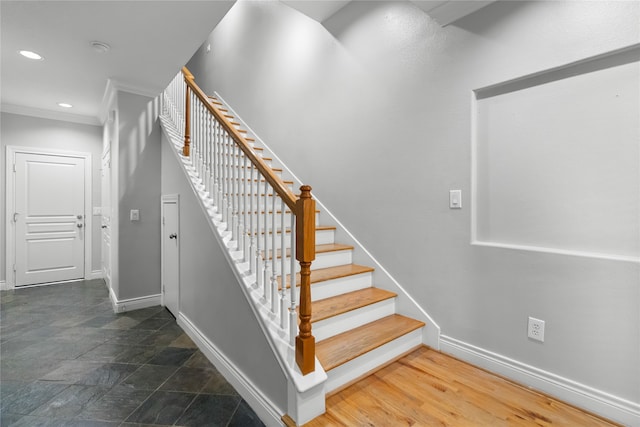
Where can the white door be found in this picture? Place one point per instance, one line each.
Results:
(106, 216)
(170, 253)
(49, 218)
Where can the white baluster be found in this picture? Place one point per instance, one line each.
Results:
(293, 314)
(225, 181)
(252, 226)
(244, 245)
(235, 196)
(217, 164)
(283, 269)
(274, 263)
(259, 257)
(210, 179)
(266, 280)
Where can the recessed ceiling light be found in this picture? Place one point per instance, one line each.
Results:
(30, 55)
(101, 47)
(64, 105)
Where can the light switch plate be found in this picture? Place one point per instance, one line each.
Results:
(455, 199)
(134, 215)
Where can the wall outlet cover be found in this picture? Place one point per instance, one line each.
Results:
(535, 329)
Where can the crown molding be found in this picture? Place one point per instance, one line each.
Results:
(49, 114)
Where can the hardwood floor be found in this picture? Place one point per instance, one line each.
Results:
(428, 388)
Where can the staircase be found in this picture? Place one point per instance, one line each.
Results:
(357, 326)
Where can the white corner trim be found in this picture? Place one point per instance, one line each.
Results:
(268, 412)
(95, 274)
(49, 114)
(4, 286)
(586, 397)
(120, 306)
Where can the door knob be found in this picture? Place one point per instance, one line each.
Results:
(104, 226)
(173, 236)
(79, 225)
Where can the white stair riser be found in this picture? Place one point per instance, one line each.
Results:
(227, 159)
(332, 259)
(331, 288)
(322, 237)
(323, 260)
(359, 366)
(287, 218)
(338, 324)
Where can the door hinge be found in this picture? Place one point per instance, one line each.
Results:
(14, 268)
(162, 220)
(14, 168)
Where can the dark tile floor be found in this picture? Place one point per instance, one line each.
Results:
(67, 360)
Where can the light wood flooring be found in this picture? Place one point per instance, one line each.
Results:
(428, 388)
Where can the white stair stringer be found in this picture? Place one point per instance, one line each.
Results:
(305, 392)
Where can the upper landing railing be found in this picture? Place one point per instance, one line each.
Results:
(266, 219)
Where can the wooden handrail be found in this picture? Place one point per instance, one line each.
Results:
(277, 184)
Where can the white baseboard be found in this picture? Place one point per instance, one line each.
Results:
(4, 286)
(268, 412)
(120, 306)
(596, 401)
(95, 274)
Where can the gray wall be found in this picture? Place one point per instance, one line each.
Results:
(210, 295)
(373, 109)
(138, 188)
(26, 131)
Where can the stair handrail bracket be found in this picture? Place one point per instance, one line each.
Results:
(264, 225)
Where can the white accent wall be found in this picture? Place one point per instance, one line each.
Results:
(28, 131)
(374, 109)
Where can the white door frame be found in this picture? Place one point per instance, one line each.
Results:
(169, 198)
(10, 239)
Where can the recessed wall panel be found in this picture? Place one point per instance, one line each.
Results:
(558, 164)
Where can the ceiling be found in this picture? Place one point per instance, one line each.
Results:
(150, 41)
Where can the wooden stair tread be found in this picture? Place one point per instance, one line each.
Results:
(330, 273)
(340, 304)
(344, 347)
(320, 249)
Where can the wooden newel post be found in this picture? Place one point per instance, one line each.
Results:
(305, 254)
(187, 113)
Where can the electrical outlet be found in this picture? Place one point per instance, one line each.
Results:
(535, 331)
